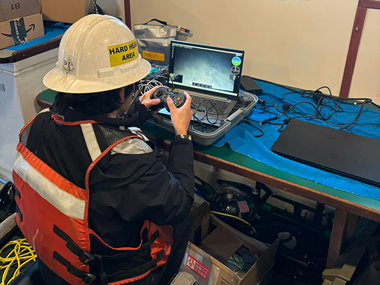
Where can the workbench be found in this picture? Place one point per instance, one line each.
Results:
(348, 206)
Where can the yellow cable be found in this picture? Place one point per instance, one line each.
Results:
(237, 218)
(21, 254)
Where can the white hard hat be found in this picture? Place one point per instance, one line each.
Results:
(97, 53)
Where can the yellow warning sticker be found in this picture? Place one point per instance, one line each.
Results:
(153, 55)
(123, 53)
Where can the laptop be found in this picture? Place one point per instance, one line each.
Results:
(340, 152)
(211, 75)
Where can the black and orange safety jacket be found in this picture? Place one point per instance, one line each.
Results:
(118, 235)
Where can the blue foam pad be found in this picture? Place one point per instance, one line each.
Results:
(241, 138)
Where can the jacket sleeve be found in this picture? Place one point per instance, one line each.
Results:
(139, 187)
(144, 113)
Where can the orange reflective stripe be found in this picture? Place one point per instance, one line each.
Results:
(39, 218)
(19, 136)
(61, 200)
(29, 123)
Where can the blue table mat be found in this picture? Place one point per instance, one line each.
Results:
(51, 32)
(242, 137)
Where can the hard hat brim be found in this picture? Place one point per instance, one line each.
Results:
(67, 83)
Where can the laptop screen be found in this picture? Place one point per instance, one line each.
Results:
(206, 69)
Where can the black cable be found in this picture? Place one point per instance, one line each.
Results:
(207, 110)
(318, 111)
(195, 107)
(321, 102)
(355, 119)
(295, 90)
(247, 121)
(269, 120)
(319, 115)
(200, 123)
(282, 97)
(216, 110)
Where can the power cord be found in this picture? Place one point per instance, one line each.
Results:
(320, 102)
(157, 78)
(207, 111)
(297, 91)
(97, 9)
(247, 121)
(234, 217)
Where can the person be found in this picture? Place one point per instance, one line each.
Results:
(93, 197)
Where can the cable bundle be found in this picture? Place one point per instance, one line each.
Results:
(323, 106)
(157, 78)
(19, 256)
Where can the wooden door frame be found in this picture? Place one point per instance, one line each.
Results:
(127, 13)
(357, 30)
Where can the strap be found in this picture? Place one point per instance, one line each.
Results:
(156, 20)
(125, 274)
(91, 141)
(89, 278)
(87, 258)
(83, 256)
(20, 216)
(86, 277)
(12, 191)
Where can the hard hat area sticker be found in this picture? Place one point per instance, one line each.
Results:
(123, 53)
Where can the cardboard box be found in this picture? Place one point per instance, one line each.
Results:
(209, 271)
(21, 30)
(204, 261)
(68, 11)
(13, 9)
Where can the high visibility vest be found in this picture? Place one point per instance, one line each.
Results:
(53, 216)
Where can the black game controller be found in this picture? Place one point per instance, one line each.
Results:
(163, 93)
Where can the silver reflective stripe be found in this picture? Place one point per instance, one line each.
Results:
(91, 141)
(132, 146)
(44, 110)
(61, 200)
(134, 129)
(138, 132)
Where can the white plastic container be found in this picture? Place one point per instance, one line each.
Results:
(20, 83)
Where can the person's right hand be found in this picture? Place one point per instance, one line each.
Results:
(180, 117)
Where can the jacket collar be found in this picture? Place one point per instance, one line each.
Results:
(70, 115)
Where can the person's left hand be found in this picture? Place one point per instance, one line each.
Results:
(147, 101)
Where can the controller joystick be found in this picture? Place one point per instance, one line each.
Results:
(163, 93)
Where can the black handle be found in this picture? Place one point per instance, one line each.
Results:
(161, 22)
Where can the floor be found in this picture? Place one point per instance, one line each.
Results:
(282, 278)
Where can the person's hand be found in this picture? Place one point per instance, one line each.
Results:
(180, 117)
(146, 99)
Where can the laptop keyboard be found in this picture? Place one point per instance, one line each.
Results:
(208, 104)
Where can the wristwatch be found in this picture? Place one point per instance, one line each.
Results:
(183, 137)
